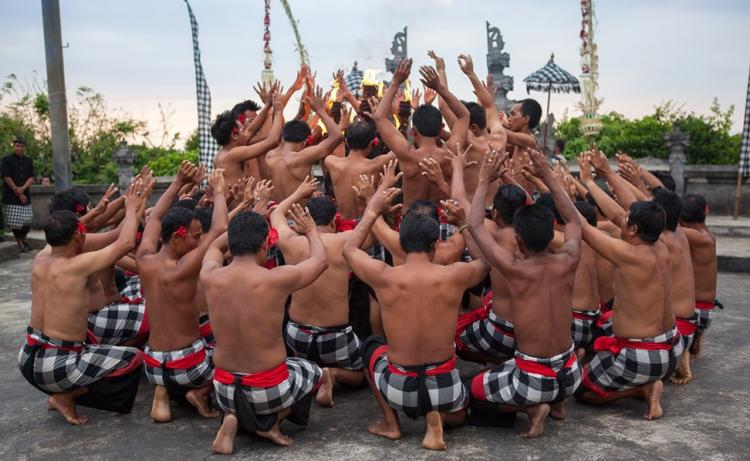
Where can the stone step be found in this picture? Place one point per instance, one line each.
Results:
(8, 251)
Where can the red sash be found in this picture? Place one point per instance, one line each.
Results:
(604, 317)
(267, 378)
(685, 326)
(31, 341)
(125, 300)
(615, 345)
(206, 329)
(183, 363)
(705, 305)
(466, 319)
(529, 366)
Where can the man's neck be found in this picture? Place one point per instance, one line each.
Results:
(294, 146)
(64, 251)
(425, 141)
(324, 229)
(359, 153)
(417, 258)
(170, 252)
(247, 260)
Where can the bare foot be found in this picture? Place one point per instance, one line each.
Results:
(433, 436)
(199, 399)
(537, 414)
(557, 411)
(389, 431)
(683, 374)
(65, 403)
(652, 394)
(224, 441)
(160, 411)
(324, 396)
(275, 436)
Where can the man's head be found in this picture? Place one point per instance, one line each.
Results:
(508, 199)
(694, 209)
(204, 215)
(248, 109)
(418, 233)
(74, 199)
(587, 210)
(247, 233)
(295, 131)
(323, 211)
(62, 228)
(187, 203)
(666, 179)
(477, 118)
(427, 121)
(672, 204)
(534, 226)
(181, 230)
(525, 115)
(426, 207)
(19, 146)
(645, 222)
(559, 147)
(223, 128)
(546, 200)
(359, 135)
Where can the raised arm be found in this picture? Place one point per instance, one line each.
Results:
(391, 136)
(620, 186)
(611, 209)
(448, 115)
(460, 128)
(279, 214)
(303, 274)
(485, 98)
(214, 258)
(246, 152)
(312, 154)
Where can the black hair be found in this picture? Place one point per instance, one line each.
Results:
(587, 210)
(546, 200)
(666, 179)
(296, 131)
(59, 227)
(693, 208)
(428, 120)
(426, 207)
(198, 196)
(70, 200)
(672, 204)
(649, 218)
(204, 215)
(322, 209)
(188, 203)
(176, 216)
(221, 130)
(246, 233)
(477, 115)
(418, 233)
(560, 145)
(507, 200)
(243, 106)
(19, 140)
(359, 135)
(530, 108)
(535, 225)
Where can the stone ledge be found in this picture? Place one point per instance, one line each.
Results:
(8, 251)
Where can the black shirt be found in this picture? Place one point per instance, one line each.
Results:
(19, 169)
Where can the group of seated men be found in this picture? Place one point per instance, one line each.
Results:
(468, 242)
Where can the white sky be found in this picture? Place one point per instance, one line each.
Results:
(138, 53)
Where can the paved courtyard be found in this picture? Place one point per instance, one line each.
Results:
(708, 419)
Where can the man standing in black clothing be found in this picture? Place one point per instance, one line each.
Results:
(17, 171)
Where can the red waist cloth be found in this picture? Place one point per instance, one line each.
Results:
(33, 342)
(445, 367)
(126, 300)
(206, 329)
(705, 305)
(183, 363)
(466, 319)
(685, 326)
(267, 378)
(615, 345)
(529, 366)
(604, 317)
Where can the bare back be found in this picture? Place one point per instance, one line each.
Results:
(683, 284)
(703, 256)
(344, 174)
(501, 299)
(416, 186)
(585, 288)
(285, 177)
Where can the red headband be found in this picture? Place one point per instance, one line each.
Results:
(272, 238)
(80, 227)
(375, 142)
(80, 209)
(181, 231)
(241, 118)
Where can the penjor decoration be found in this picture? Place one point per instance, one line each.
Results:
(589, 105)
(267, 73)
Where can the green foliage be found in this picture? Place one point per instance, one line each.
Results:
(95, 133)
(710, 140)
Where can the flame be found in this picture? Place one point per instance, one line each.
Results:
(334, 91)
(380, 90)
(370, 77)
(407, 90)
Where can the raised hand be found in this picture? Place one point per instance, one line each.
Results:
(504, 121)
(396, 103)
(415, 96)
(432, 170)
(263, 91)
(134, 195)
(186, 172)
(316, 99)
(453, 213)
(401, 74)
(539, 164)
(466, 63)
(299, 81)
(306, 187)
(439, 61)
(262, 193)
(388, 178)
(430, 78)
(382, 199)
(600, 163)
(216, 180)
(365, 187)
(584, 165)
(490, 167)
(457, 156)
(429, 95)
(303, 222)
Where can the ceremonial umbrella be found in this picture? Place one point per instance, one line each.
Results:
(551, 78)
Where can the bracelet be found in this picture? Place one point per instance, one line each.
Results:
(463, 228)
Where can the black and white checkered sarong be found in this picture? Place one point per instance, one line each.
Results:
(491, 335)
(529, 380)
(582, 328)
(415, 390)
(304, 377)
(337, 347)
(18, 216)
(632, 367)
(180, 370)
(116, 323)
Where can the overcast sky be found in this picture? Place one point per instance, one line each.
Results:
(138, 53)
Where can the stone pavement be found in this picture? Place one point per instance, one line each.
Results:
(708, 419)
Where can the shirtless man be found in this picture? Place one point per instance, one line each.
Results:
(415, 371)
(703, 256)
(245, 112)
(256, 385)
(290, 163)
(427, 123)
(586, 298)
(178, 360)
(605, 270)
(55, 358)
(646, 343)
(318, 327)
(344, 171)
(545, 370)
(233, 136)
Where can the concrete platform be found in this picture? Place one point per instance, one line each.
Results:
(708, 419)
